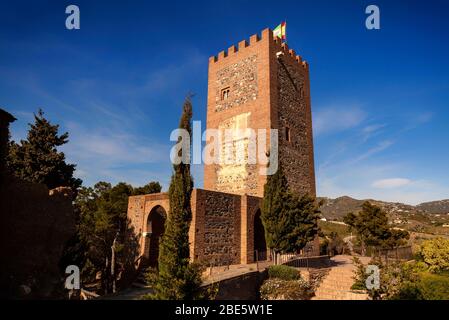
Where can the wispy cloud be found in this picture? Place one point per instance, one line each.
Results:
(371, 131)
(102, 154)
(381, 146)
(391, 183)
(337, 118)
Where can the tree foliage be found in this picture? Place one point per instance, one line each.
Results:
(152, 187)
(290, 220)
(435, 253)
(37, 159)
(178, 279)
(410, 280)
(102, 214)
(371, 226)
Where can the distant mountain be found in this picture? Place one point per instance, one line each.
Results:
(440, 206)
(336, 209)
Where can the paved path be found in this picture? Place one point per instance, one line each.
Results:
(223, 273)
(337, 283)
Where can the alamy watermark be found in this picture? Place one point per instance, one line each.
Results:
(373, 280)
(227, 147)
(372, 22)
(73, 20)
(72, 282)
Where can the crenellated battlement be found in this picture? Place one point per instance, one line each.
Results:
(242, 45)
(255, 38)
(290, 53)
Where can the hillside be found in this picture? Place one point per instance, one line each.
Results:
(436, 207)
(430, 217)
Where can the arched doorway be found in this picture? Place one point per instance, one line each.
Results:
(154, 230)
(260, 245)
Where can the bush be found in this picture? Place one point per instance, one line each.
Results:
(435, 254)
(278, 289)
(434, 286)
(283, 272)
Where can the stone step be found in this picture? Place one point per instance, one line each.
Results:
(337, 285)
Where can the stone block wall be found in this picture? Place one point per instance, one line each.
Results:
(217, 238)
(294, 115)
(221, 230)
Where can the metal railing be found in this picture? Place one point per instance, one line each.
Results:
(398, 253)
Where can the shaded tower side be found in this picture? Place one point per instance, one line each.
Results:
(294, 119)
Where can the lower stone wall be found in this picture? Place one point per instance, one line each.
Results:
(217, 224)
(35, 225)
(243, 287)
(221, 231)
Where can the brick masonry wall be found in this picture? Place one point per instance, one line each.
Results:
(274, 93)
(246, 71)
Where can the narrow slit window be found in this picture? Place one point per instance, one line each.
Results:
(225, 93)
(287, 134)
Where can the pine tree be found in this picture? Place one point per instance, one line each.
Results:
(152, 187)
(178, 279)
(372, 228)
(37, 159)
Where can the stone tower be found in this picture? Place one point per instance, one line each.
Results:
(257, 85)
(261, 85)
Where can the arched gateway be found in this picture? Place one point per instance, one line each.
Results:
(155, 228)
(260, 245)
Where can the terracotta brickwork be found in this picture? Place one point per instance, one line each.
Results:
(268, 83)
(245, 70)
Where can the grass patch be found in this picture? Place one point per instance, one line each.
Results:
(328, 227)
(283, 272)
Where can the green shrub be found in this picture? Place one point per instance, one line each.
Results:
(283, 272)
(435, 253)
(434, 286)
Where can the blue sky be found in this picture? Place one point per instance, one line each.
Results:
(380, 98)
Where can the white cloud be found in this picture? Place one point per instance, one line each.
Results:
(341, 179)
(391, 183)
(334, 119)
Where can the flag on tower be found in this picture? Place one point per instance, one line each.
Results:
(281, 31)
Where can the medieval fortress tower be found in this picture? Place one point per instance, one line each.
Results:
(260, 84)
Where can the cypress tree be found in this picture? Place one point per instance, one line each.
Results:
(178, 279)
(290, 220)
(273, 213)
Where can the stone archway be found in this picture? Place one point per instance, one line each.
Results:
(154, 229)
(260, 245)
